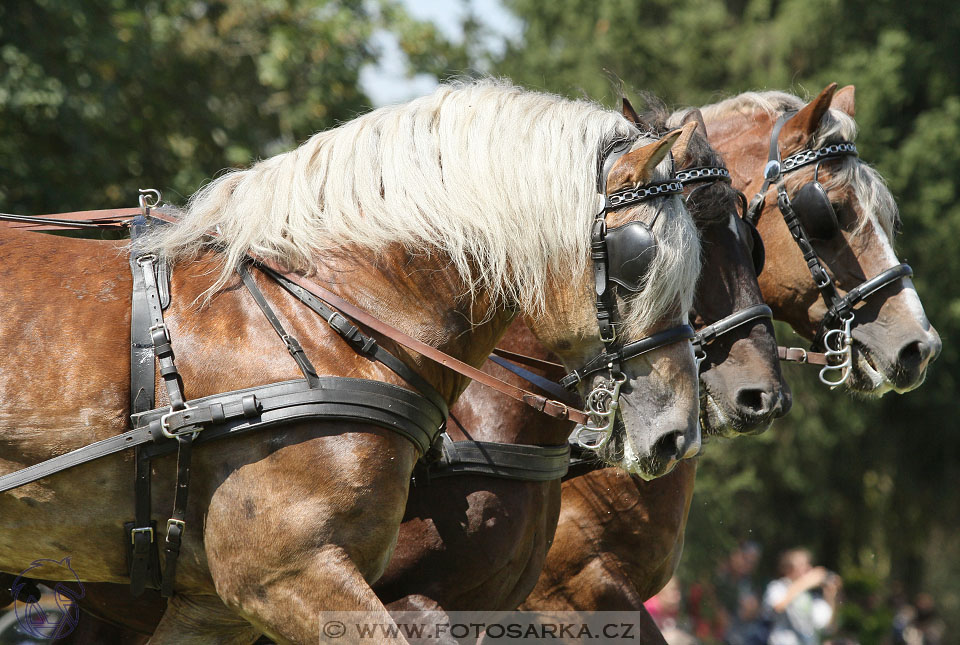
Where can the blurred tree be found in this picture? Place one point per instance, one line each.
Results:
(864, 483)
(100, 97)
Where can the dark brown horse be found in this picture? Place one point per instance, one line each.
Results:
(619, 538)
(303, 517)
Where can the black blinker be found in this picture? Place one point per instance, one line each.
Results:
(815, 212)
(631, 249)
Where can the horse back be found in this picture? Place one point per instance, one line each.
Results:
(64, 339)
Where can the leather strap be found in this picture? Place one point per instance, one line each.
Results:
(628, 351)
(550, 387)
(536, 401)
(706, 335)
(159, 333)
(292, 344)
(517, 462)
(841, 306)
(800, 355)
(360, 342)
(98, 219)
(233, 413)
(177, 522)
(141, 534)
(555, 370)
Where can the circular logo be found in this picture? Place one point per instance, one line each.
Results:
(47, 615)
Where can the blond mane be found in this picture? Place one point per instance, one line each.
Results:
(500, 180)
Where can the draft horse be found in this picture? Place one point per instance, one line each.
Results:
(445, 217)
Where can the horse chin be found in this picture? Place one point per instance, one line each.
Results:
(648, 467)
(714, 421)
(867, 379)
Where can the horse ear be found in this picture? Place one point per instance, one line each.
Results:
(843, 100)
(694, 115)
(636, 167)
(681, 149)
(631, 115)
(804, 123)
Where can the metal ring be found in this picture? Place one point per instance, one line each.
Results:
(145, 194)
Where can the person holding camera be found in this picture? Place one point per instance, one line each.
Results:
(798, 615)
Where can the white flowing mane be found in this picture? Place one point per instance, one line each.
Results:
(875, 200)
(500, 180)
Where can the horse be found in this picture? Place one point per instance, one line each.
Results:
(594, 563)
(478, 542)
(447, 217)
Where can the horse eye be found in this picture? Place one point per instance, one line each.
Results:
(897, 226)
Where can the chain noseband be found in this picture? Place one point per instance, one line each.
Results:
(834, 332)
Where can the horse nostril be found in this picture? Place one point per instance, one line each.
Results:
(756, 401)
(915, 355)
(670, 446)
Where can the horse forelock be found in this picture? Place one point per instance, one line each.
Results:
(500, 180)
(876, 203)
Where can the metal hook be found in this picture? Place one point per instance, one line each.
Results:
(602, 405)
(146, 202)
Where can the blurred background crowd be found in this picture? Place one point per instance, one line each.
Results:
(101, 97)
(801, 604)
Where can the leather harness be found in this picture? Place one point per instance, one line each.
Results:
(418, 416)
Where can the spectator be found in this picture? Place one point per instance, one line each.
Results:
(918, 624)
(798, 616)
(739, 598)
(665, 609)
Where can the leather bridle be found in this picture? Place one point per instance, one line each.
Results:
(602, 402)
(834, 333)
(709, 333)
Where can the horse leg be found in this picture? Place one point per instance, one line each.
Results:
(288, 608)
(647, 630)
(305, 529)
(202, 620)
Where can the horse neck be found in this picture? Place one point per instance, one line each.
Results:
(423, 296)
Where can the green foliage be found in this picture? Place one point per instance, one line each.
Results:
(100, 97)
(865, 484)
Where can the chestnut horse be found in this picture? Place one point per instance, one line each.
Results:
(446, 216)
(594, 563)
(476, 542)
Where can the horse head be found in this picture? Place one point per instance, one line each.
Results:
(830, 221)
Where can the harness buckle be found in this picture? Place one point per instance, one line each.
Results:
(160, 327)
(803, 357)
(165, 424)
(175, 537)
(342, 325)
(133, 533)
